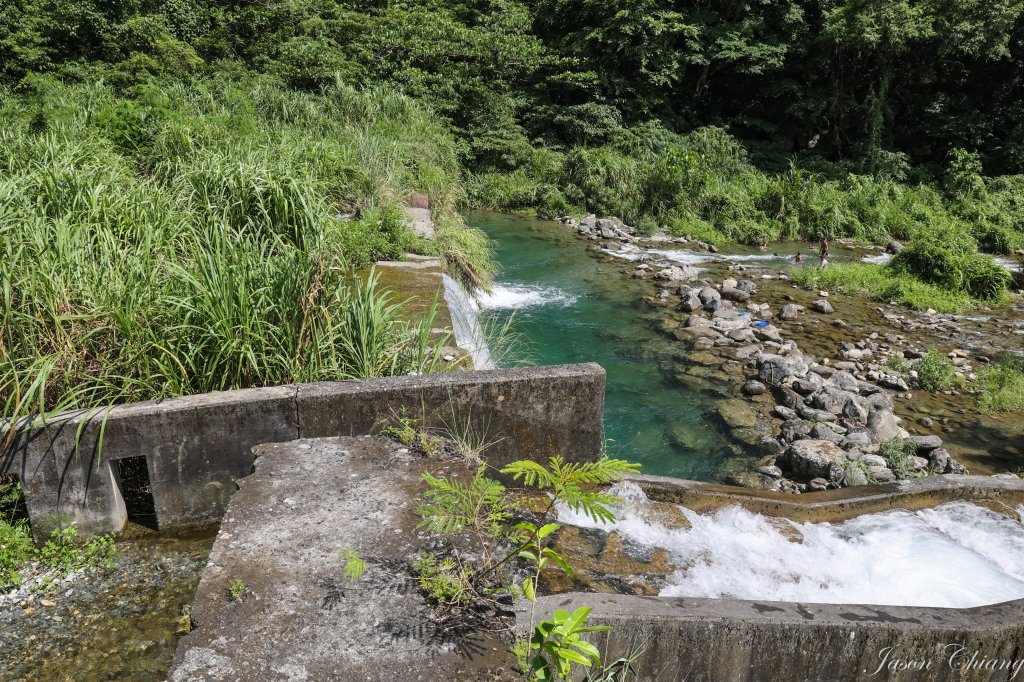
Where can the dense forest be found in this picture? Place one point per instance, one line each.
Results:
(155, 154)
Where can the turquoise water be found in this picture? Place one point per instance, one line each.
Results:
(568, 306)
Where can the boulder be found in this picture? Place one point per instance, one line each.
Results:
(893, 247)
(790, 311)
(882, 426)
(810, 459)
(938, 460)
(881, 474)
(737, 413)
(754, 388)
(926, 444)
(874, 461)
(783, 412)
(747, 286)
(822, 432)
(676, 273)
(794, 430)
(735, 295)
(691, 302)
(754, 480)
(822, 306)
(855, 410)
(771, 471)
(708, 294)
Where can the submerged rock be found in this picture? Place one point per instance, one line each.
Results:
(809, 459)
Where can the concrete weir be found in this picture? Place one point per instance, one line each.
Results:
(298, 618)
(312, 480)
(196, 447)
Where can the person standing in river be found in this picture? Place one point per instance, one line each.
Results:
(823, 253)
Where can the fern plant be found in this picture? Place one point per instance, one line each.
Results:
(480, 507)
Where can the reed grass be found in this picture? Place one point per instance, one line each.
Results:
(187, 240)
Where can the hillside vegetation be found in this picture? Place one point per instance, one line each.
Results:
(187, 186)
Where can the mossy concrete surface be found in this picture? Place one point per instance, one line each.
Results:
(298, 617)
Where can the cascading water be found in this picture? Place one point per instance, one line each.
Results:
(956, 555)
(469, 335)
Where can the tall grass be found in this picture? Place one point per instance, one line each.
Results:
(185, 240)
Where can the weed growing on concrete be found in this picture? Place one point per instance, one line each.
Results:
(406, 430)
(236, 589)
(354, 565)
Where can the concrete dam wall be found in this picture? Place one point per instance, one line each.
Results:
(196, 447)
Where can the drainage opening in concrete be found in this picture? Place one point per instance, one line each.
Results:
(12, 500)
(133, 476)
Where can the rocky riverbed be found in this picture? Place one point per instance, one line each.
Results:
(815, 404)
(104, 624)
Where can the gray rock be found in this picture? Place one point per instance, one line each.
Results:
(737, 413)
(822, 306)
(794, 430)
(772, 369)
(807, 385)
(893, 247)
(676, 273)
(691, 302)
(882, 426)
(770, 471)
(874, 461)
(881, 474)
(754, 388)
(938, 460)
(810, 459)
(894, 382)
(735, 295)
(747, 286)
(822, 432)
(768, 333)
(926, 444)
(707, 294)
(741, 335)
(811, 414)
(855, 410)
(784, 412)
(790, 311)
(754, 480)
(856, 439)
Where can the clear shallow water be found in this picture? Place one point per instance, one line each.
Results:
(568, 306)
(957, 555)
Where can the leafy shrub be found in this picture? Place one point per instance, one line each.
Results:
(897, 454)
(1003, 386)
(935, 372)
(16, 550)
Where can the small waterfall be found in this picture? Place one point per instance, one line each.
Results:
(469, 335)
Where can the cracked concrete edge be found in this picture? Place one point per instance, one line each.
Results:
(197, 446)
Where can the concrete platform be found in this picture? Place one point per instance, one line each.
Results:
(299, 619)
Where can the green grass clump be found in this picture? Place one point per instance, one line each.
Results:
(61, 554)
(185, 239)
(1003, 386)
(16, 550)
(935, 372)
(898, 455)
(883, 284)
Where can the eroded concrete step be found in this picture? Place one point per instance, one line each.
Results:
(298, 618)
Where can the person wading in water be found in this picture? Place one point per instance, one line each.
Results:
(823, 253)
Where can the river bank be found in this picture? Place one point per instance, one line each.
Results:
(621, 282)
